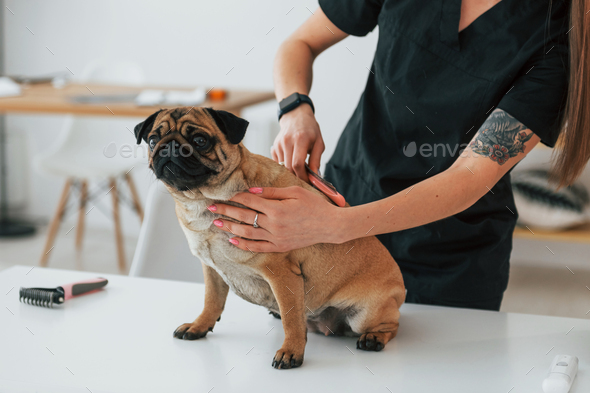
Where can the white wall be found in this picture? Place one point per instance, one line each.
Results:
(181, 43)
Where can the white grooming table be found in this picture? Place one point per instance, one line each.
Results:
(120, 340)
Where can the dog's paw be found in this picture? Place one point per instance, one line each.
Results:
(191, 331)
(287, 358)
(370, 342)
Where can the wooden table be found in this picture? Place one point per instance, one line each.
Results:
(120, 340)
(578, 234)
(44, 98)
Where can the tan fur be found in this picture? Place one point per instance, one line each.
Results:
(353, 288)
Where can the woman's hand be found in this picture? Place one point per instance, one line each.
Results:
(288, 218)
(300, 135)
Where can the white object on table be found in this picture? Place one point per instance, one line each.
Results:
(8, 87)
(173, 97)
(562, 373)
(149, 97)
(120, 340)
(186, 98)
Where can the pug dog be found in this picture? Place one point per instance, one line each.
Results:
(354, 288)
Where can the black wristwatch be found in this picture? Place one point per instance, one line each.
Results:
(291, 102)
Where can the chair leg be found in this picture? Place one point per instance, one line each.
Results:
(134, 196)
(118, 232)
(54, 226)
(81, 215)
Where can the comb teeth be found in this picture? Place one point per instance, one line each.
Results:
(42, 297)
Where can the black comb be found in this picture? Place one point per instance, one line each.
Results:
(47, 297)
(43, 297)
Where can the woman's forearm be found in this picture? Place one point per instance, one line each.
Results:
(293, 68)
(433, 199)
(294, 59)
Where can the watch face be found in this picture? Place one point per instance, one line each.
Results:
(288, 101)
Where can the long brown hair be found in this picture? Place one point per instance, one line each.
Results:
(573, 150)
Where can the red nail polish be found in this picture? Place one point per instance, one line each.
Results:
(255, 190)
(212, 208)
(218, 223)
(234, 241)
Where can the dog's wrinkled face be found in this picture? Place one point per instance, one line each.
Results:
(192, 147)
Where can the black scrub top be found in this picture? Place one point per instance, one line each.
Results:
(432, 85)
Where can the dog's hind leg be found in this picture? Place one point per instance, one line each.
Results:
(286, 283)
(377, 324)
(215, 295)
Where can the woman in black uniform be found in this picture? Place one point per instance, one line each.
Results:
(458, 93)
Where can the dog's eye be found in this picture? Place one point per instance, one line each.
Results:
(200, 141)
(152, 143)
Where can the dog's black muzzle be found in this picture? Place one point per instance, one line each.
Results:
(176, 162)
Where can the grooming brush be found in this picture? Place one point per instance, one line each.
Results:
(47, 297)
(326, 187)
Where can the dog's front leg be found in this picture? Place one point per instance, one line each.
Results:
(287, 287)
(215, 295)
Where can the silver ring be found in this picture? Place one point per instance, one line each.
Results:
(255, 225)
(282, 163)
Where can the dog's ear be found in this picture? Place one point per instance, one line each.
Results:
(232, 126)
(144, 128)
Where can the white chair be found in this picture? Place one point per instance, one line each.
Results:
(162, 249)
(89, 148)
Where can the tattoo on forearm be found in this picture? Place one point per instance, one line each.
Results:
(500, 137)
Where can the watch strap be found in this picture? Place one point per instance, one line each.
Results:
(295, 99)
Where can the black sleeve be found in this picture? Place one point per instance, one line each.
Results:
(537, 98)
(354, 17)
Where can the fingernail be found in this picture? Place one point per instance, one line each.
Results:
(218, 223)
(212, 208)
(234, 241)
(255, 190)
